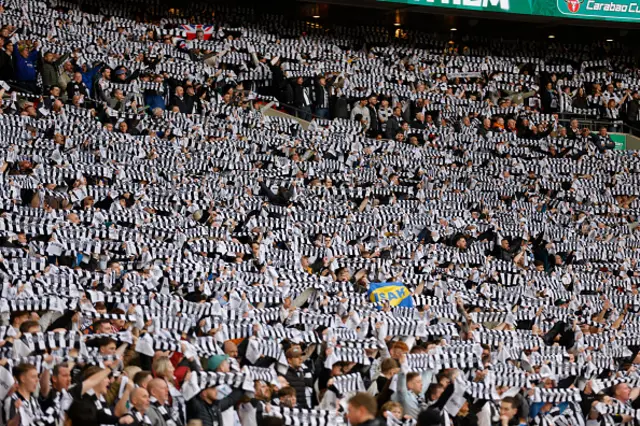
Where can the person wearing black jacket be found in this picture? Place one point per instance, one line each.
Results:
(321, 98)
(279, 82)
(297, 378)
(633, 107)
(603, 141)
(302, 99)
(77, 87)
(208, 409)
(6, 61)
(549, 97)
(394, 123)
(180, 101)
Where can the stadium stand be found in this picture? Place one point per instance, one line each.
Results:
(433, 240)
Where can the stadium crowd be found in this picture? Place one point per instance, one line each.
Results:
(434, 249)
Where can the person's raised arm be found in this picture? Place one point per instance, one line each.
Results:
(95, 380)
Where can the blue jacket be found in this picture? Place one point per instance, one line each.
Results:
(88, 77)
(26, 68)
(154, 101)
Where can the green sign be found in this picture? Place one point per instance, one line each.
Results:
(613, 10)
(620, 140)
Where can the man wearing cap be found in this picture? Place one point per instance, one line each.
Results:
(218, 364)
(296, 377)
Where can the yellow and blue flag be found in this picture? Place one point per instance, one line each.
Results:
(394, 292)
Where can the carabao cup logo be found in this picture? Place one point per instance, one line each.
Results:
(573, 5)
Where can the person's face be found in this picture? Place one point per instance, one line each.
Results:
(179, 91)
(299, 80)
(343, 275)
(289, 401)
(48, 57)
(462, 243)
(507, 410)
(224, 367)
(62, 380)
(123, 127)
(263, 391)
(104, 328)
(356, 415)
(396, 353)
(144, 383)
(231, 349)
(295, 362)
(55, 92)
(623, 391)
(109, 349)
(34, 329)
(397, 413)
(29, 381)
(103, 386)
(603, 131)
(22, 238)
(142, 401)
(415, 385)
(108, 127)
(373, 101)
(77, 77)
(504, 244)
(161, 393)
